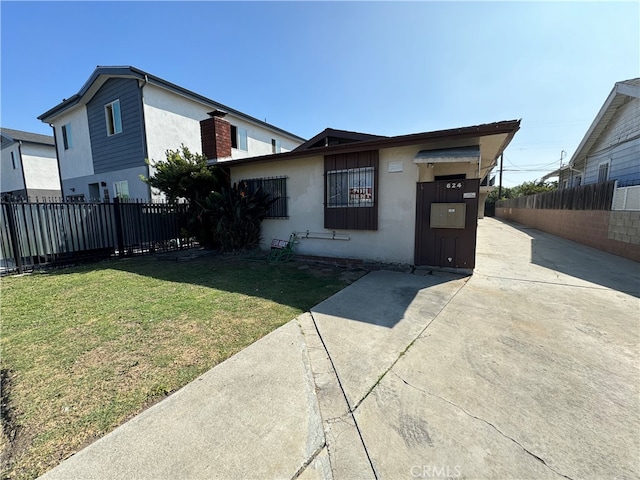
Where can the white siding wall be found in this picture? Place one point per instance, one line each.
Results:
(11, 178)
(77, 161)
(618, 144)
(393, 242)
(40, 167)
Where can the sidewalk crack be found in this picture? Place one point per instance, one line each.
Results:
(525, 449)
(309, 461)
(408, 346)
(344, 394)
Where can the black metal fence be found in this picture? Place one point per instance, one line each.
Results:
(595, 196)
(40, 234)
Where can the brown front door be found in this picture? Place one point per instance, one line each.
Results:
(446, 223)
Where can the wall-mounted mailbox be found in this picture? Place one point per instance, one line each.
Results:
(448, 215)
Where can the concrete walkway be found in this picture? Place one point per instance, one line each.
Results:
(528, 369)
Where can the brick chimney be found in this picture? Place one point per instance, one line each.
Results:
(215, 135)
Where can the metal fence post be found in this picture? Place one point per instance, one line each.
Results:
(117, 214)
(13, 233)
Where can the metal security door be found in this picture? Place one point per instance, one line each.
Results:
(446, 223)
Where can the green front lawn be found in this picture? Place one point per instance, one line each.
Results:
(86, 348)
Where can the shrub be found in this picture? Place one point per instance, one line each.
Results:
(235, 216)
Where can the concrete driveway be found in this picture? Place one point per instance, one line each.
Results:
(527, 369)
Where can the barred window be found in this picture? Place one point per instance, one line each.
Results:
(603, 172)
(276, 188)
(351, 187)
(351, 191)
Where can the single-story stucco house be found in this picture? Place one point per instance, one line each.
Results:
(409, 199)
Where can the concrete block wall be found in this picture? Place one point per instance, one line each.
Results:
(616, 232)
(625, 227)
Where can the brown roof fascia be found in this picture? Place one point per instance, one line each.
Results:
(345, 134)
(509, 127)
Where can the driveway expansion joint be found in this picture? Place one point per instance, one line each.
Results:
(526, 450)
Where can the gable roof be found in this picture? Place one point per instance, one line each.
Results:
(330, 136)
(11, 136)
(101, 74)
(621, 93)
(508, 127)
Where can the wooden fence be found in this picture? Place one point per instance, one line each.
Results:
(595, 196)
(39, 234)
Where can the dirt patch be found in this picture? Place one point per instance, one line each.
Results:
(13, 440)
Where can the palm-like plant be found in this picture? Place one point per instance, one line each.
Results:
(235, 215)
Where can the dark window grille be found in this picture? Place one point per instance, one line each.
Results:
(276, 188)
(603, 172)
(351, 187)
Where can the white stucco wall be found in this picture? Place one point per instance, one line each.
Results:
(77, 161)
(137, 188)
(40, 167)
(172, 120)
(393, 242)
(11, 178)
(259, 139)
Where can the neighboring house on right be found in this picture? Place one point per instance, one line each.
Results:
(602, 207)
(610, 150)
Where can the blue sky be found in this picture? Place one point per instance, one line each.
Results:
(386, 68)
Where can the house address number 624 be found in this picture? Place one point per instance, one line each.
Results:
(454, 185)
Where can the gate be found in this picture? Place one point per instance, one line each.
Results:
(446, 223)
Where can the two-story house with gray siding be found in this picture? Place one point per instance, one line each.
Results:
(610, 150)
(29, 166)
(123, 116)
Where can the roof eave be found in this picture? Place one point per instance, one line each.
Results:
(619, 89)
(510, 127)
(138, 74)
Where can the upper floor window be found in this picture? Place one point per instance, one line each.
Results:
(239, 138)
(603, 172)
(66, 136)
(113, 117)
(276, 146)
(13, 160)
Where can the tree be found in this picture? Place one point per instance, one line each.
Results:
(525, 188)
(186, 175)
(220, 215)
(531, 188)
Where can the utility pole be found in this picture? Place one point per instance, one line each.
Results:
(500, 181)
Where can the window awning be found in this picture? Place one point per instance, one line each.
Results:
(449, 155)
